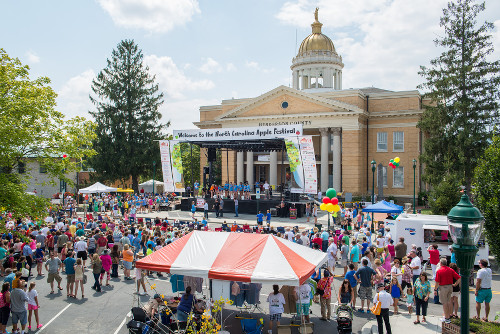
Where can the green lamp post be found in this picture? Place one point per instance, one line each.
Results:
(414, 166)
(465, 223)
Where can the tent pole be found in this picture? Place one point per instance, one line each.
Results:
(282, 167)
(191, 166)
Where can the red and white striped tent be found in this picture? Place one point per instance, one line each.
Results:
(242, 257)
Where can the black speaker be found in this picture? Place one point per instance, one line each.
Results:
(212, 155)
(294, 197)
(206, 170)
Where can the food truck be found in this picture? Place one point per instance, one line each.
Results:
(425, 230)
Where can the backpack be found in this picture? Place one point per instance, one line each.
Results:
(2, 300)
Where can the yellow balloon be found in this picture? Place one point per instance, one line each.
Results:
(396, 159)
(329, 207)
(336, 208)
(322, 206)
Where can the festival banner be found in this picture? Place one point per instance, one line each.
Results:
(308, 164)
(177, 171)
(166, 166)
(244, 133)
(295, 163)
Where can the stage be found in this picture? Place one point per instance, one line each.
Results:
(249, 206)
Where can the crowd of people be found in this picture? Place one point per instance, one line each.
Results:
(375, 267)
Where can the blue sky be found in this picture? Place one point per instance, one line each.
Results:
(204, 51)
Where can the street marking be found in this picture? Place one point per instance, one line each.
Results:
(54, 318)
(123, 322)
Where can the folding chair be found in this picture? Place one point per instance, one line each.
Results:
(246, 228)
(140, 220)
(218, 229)
(318, 226)
(251, 326)
(148, 220)
(280, 229)
(131, 220)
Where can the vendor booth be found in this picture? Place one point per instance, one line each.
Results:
(97, 188)
(383, 207)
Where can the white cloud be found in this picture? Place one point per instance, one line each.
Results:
(151, 15)
(182, 114)
(496, 40)
(210, 66)
(256, 66)
(382, 43)
(230, 67)
(32, 57)
(73, 98)
(172, 80)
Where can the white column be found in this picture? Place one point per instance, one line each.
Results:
(340, 80)
(250, 169)
(337, 158)
(273, 169)
(296, 79)
(324, 158)
(335, 75)
(239, 167)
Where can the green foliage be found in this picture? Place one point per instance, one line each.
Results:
(480, 327)
(463, 87)
(127, 117)
(444, 196)
(190, 164)
(31, 128)
(487, 191)
(421, 199)
(391, 198)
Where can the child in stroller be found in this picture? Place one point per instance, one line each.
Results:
(344, 319)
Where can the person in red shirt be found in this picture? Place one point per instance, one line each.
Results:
(433, 258)
(317, 240)
(444, 281)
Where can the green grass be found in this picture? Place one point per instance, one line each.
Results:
(481, 327)
(426, 211)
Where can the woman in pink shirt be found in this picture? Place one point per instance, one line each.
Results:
(106, 265)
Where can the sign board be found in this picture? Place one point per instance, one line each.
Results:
(257, 193)
(244, 133)
(266, 157)
(200, 203)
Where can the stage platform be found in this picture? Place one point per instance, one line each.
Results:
(249, 206)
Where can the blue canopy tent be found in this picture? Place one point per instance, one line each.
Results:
(383, 207)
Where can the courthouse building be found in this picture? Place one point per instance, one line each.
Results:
(350, 127)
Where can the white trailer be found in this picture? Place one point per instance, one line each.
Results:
(424, 230)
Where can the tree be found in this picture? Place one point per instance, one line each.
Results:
(31, 128)
(463, 87)
(127, 117)
(190, 163)
(487, 191)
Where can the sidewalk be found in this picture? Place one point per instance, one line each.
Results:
(403, 323)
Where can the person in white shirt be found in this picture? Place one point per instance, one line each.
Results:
(81, 249)
(266, 189)
(276, 301)
(385, 303)
(289, 234)
(415, 265)
(331, 251)
(303, 300)
(380, 243)
(483, 289)
(44, 230)
(305, 239)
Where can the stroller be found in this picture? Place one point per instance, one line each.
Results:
(344, 319)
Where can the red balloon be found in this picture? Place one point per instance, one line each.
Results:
(390, 164)
(335, 201)
(326, 200)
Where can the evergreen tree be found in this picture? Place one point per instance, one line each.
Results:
(463, 86)
(127, 117)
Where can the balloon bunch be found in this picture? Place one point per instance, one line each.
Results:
(330, 202)
(394, 162)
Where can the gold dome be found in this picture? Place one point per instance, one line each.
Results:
(316, 41)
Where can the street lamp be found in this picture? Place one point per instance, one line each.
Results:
(414, 165)
(374, 164)
(465, 223)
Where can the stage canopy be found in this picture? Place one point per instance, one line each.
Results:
(242, 257)
(383, 207)
(97, 188)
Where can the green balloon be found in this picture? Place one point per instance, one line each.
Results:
(331, 193)
(392, 160)
(396, 164)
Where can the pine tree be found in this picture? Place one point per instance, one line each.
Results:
(127, 117)
(463, 86)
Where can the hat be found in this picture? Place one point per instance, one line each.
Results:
(380, 285)
(156, 296)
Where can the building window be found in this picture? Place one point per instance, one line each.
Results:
(384, 176)
(21, 167)
(381, 141)
(398, 177)
(398, 141)
(42, 170)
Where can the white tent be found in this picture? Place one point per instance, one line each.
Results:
(96, 188)
(148, 186)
